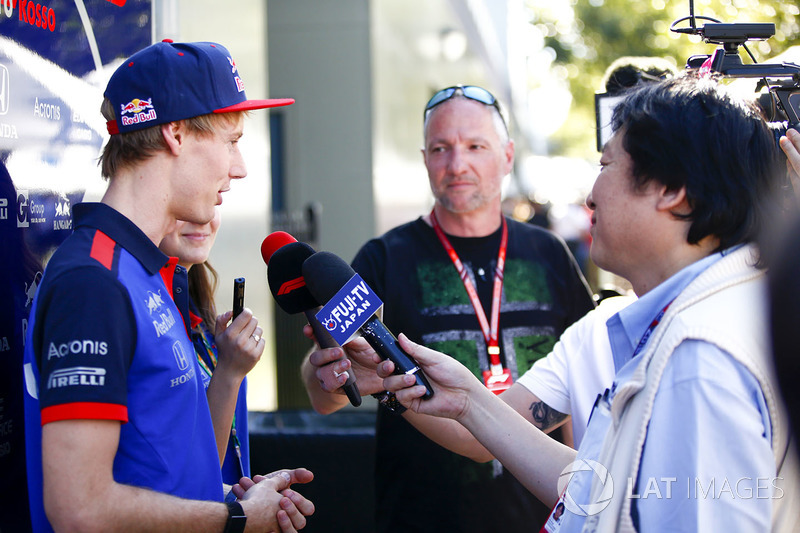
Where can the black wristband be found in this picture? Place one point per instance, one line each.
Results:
(389, 402)
(236, 518)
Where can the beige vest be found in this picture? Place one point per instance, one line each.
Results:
(727, 306)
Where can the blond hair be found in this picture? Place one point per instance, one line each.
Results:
(124, 150)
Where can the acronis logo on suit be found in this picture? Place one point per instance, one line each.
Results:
(349, 309)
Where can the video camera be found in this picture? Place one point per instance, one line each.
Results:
(782, 79)
(782, 105)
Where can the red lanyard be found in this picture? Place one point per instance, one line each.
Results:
(490, 331)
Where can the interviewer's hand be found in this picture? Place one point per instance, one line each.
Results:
(239, 344)
(331, 366)
(452, 382)
(790, 144)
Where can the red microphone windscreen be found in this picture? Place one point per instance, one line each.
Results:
(273, 241)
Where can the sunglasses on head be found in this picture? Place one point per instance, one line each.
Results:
(479, 94)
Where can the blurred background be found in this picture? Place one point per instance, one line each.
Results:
(343, 163)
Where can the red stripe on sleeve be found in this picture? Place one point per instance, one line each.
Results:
(85, 410)
(102, 249)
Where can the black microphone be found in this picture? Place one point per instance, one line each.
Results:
(284, 257)
(325, 274)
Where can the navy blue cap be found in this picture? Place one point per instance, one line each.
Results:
(170, 81)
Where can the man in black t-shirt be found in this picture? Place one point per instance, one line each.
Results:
(493, 293)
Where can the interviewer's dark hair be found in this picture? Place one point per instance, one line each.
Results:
(690, 132)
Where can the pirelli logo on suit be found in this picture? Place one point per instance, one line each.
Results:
(77, 376)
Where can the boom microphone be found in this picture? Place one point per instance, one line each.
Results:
(328, 278)
(284, 257)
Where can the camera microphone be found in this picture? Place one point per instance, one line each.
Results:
(352, 306)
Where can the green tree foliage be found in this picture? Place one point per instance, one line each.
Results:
(585, 36)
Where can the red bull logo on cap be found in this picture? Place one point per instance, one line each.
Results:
(138, 111)
(137, 106)
(237, 79)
